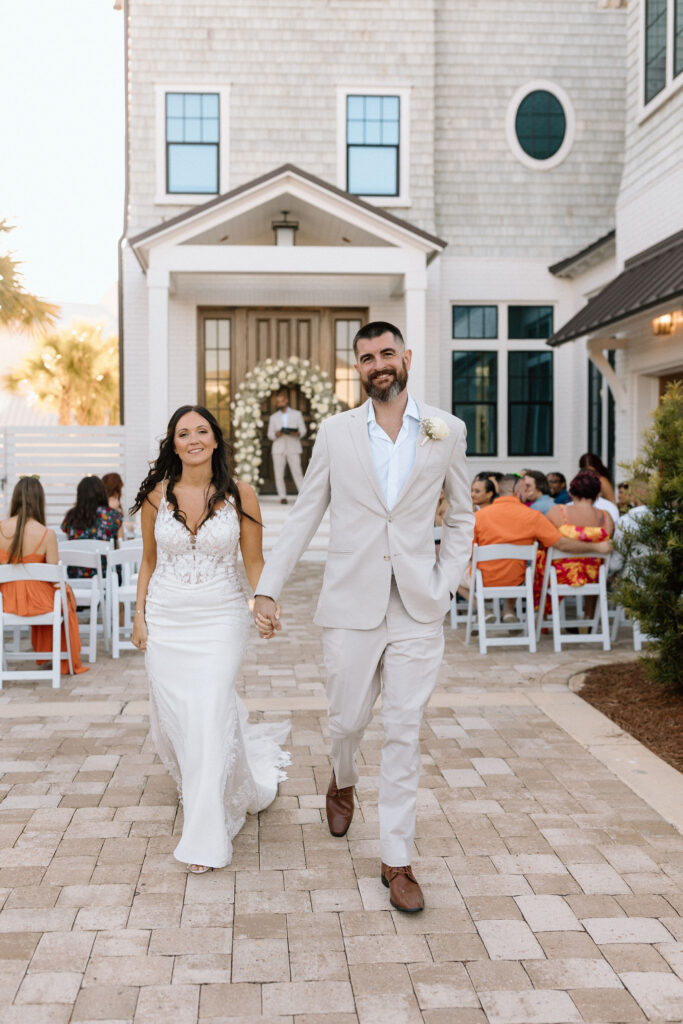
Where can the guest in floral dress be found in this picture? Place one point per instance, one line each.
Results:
(91, 518)
(578, 521)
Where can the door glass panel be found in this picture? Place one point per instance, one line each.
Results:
(346, 381)
(217, 369)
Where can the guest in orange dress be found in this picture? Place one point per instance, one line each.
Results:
(577, 521)
(24, 538)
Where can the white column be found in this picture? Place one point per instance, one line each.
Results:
(415, 333)
(157, 305)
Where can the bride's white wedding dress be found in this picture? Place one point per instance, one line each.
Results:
(198, 620)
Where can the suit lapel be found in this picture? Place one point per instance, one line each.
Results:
(359, 433)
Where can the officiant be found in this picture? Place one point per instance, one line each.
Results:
(286, 427)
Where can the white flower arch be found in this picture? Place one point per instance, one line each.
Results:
(260, 382)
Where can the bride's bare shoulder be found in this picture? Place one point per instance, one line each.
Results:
(154, 497)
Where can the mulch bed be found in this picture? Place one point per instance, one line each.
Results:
(651, 713)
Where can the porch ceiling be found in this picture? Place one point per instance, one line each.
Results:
(303, 289)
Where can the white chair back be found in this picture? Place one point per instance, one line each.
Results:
(46, 573)
(122, 594)
(88, 590)
(522, 593)
(599, 624)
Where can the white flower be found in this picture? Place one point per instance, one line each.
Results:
(434, 429)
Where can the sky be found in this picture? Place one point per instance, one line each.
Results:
(62, 143)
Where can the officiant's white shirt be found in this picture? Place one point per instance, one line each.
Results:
(394, 460)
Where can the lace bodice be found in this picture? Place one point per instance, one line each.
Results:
(210, 554)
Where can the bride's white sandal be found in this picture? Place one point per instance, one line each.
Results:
(198, 869)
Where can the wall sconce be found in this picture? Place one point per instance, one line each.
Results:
(663, 324)
(285, 230)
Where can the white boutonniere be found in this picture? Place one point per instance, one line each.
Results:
(434, 429)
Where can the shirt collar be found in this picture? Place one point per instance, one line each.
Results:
(411, 410)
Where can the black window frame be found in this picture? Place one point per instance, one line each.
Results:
(654, 64)
(543, 310)
(471, 336)
(526, 141)
(678, 38)
(374, 145)
(168, 144)
(545, 403)
(491, 355)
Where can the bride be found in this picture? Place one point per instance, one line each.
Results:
(192, 619)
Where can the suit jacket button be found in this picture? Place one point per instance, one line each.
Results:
(390, 519)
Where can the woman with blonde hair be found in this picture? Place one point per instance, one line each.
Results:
(24, 538)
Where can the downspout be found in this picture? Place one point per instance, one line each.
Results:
(123, 5)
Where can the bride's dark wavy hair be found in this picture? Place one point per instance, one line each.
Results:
(168, 466)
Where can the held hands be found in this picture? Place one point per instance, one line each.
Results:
(266, 616)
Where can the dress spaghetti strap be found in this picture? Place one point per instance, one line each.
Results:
(563, 513)
(35, 550)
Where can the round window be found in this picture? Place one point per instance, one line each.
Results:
(540, 124)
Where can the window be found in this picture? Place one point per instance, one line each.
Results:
(475, 392)
(216, 369)
(540, 124)
(530, 403)
(475, 322)
(530, 321)
(601, 413)
(192, 142)
(372, 145)
(655, 47)
(678, 37)
(346, 381)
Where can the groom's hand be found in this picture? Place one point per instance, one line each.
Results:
(266, 616)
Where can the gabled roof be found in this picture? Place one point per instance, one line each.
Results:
(288, 173)
(652, 277)
(587, 257)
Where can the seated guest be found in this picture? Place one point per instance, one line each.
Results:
(580, 520)
(92, 518)
(625, 499)
(508, 521)
(589, 460)
(626, 555)
(25, 538)
(483, 493)
(557, 488)
(535, 491)
(113, 485)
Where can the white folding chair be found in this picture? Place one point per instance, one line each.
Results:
(104, 548)
(459, 608)
(622, 619)
(88, 591)
(599, 624)
(122, 594)
(523, 594)
(55, 574)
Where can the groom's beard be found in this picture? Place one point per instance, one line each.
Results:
(385, 392)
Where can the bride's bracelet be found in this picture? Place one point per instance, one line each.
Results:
(140, 611)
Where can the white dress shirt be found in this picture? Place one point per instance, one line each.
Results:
(394, 459)
(284, 418)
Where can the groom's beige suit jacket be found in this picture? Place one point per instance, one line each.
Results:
(368, 541)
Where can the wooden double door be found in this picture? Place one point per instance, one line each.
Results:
(234, 341)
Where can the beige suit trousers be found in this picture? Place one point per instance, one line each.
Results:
(288, 454)
(400, 659)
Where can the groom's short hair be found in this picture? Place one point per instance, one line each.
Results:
(374, 330)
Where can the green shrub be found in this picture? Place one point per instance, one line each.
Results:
(650, 586)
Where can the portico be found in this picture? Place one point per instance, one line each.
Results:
(222, 261)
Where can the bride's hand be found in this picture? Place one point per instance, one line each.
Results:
(139, 637)
(268, 624)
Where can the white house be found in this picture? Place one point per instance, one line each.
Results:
(475, 173)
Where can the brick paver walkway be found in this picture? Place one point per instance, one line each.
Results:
(555, 894)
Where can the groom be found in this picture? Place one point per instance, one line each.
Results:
(380, 468)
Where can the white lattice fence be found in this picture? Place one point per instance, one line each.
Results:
(60, 456)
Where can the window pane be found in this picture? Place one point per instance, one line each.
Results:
(216, 396)
(355, 107)
(373, 107)
(174, 104)
(347, 385)
(373, 170)
(655, 47)
(390, 133)
(210, 104)
(210, 130)
(475, 321)
(373, 133)
(354, 131)
(475, 394)
(678, 37)
(174, 129)
(540, 124)
(193, 104)
(530, 403)
(192, 168)
(193, 129)
(530, 321)
(390, 108)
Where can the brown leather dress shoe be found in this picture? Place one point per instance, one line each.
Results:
(339, 806)
(404, 891)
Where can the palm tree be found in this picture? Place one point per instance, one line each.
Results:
(18, 308)
(74, 370)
